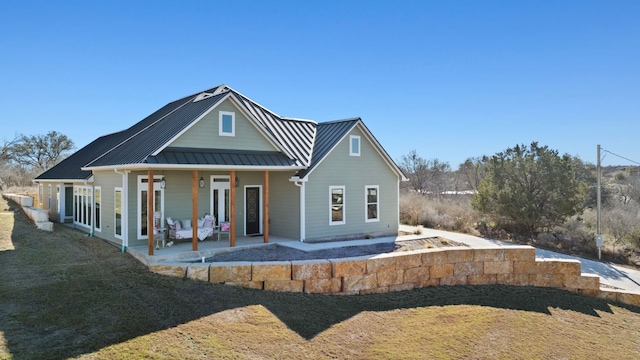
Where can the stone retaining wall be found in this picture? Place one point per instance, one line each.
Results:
(39, 216)
(512, 265)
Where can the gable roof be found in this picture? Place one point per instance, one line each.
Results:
(329, 134)
(302, 144)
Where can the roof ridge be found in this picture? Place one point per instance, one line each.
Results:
(251, 100)
(286, 118)
(341, 120)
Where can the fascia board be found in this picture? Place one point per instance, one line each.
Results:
(330, 151)
(192, 124)
(192, 167)
(381, 151)
(139, 132)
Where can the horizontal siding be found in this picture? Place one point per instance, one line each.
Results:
(108, 181)
(284, 206)
(205, 133)
(353, 172)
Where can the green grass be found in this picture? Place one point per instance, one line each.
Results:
(66, 295)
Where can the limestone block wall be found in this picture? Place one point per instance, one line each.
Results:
(39, 216)
(513, 265)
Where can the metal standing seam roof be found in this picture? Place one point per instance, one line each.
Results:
(197, 156)
(307, 141)
(328, 134)
(70, 167)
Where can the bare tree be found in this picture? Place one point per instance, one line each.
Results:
(417, 170)
(474, 171)
(40, 152)
(621, 221)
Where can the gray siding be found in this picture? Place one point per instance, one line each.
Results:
(284, 206)
(353, 172)
(204, 134)
(107, 181)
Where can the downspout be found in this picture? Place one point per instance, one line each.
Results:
(300, 183)
(125, 207)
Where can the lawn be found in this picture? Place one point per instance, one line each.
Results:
(67, 295)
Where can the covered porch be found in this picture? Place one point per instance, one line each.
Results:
(228, 206)
(183, 251)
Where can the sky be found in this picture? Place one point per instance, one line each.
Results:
(449, 79)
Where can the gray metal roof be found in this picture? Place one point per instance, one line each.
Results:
(328, 134)
(226, 157)
(304, 143)
(69, 168)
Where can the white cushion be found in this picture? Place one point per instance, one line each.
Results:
(186, 223)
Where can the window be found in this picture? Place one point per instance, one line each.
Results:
(371, 193)
(354, 145)
(97, 200)
(227, 123)
(118, 213)
(58, 200)
(50, 204)
(143, 204)
(336, 209)
(82, 205)
(40, 193)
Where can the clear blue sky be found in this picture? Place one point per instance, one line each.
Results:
(451, 79)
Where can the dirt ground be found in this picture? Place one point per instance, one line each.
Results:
(275, 252)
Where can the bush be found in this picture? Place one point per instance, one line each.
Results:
(450, 213)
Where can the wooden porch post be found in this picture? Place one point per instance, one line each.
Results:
(265, 212)
(232, 208)
(150, 210)
(194, 210)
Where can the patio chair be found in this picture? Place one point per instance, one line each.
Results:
(223, 229)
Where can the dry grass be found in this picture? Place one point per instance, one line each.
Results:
(64, 295)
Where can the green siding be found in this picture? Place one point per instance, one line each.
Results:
(204, 134)
(107, 181)
(353, 172)
(284, 206)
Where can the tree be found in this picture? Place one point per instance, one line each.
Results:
(416, 169)
(425, 176)
(474, 171)
(532, 187)
(40, 152)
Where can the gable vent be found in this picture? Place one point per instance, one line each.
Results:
(204, 95)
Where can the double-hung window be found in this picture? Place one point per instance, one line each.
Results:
(227, 122)
(336, 207)
(372, 203)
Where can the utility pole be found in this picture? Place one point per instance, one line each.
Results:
(598, 234)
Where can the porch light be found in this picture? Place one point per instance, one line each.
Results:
(163, 183)
(201, 182)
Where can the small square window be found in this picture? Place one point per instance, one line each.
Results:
(354, 145)
(227, 123)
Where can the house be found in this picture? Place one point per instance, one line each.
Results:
(219, 152)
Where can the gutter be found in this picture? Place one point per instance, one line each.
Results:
(301, 184)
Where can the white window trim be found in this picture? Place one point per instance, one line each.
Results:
(233, 123)
(58, 201)
(144, 187)
(96, 228)
(40, 193)
(366, 203)
(344, 205)
(50, 205)
(115, 191)
(352, 151)
(79, 194)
